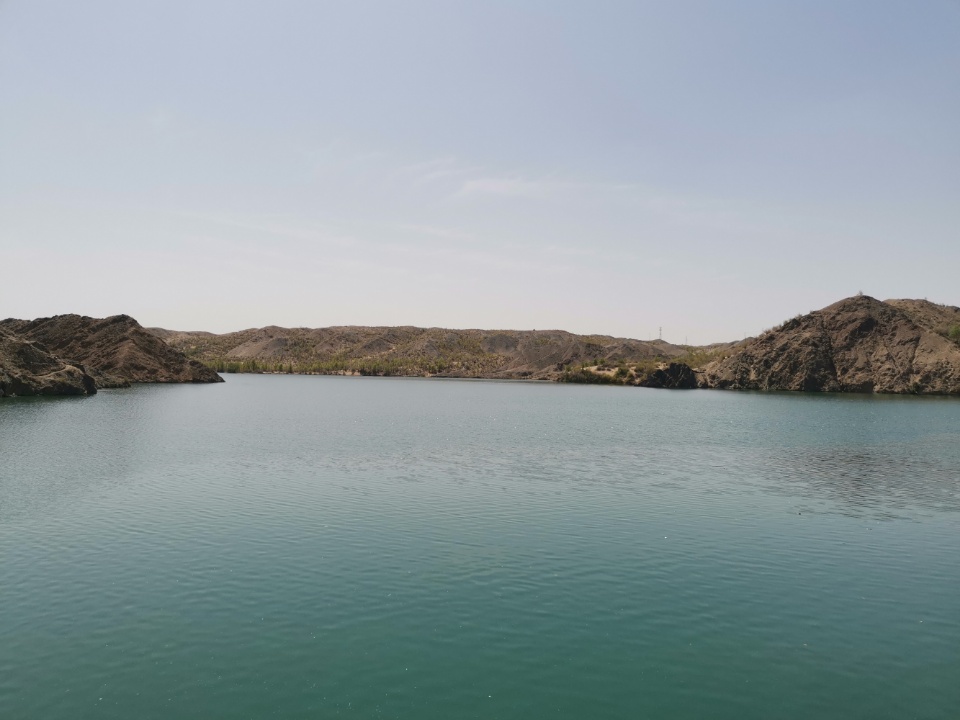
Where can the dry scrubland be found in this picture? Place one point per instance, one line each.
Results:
(856, 345)
(514, 354)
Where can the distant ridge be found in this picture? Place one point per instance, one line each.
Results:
(858, 344)
(517, 354)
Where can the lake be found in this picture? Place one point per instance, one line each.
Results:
(311, 547)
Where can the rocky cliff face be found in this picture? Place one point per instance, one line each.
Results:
(115, 351)
(27, 368)
(856, 345)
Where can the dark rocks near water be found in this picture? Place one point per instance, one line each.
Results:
(27, 368)
(672, 376)
(859, 344)
(76, 355)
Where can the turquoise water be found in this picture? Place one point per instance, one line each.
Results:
(284, 546)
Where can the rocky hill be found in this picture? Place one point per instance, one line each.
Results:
(856, 345)
(114, 351)
(535, 354)
(941, 319)
(27, 368)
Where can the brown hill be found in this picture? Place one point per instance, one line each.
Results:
(942, 319)
(27, 368)
(114, 350)
(856, 345)
(538, 354)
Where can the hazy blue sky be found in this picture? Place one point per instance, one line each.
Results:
(708, 167)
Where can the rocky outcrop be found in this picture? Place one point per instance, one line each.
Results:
(115, 351)
(672, 376)
(856, 345)
(27, 368)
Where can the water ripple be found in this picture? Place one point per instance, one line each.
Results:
(389, 548)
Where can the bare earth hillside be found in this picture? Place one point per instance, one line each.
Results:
(942, 319)
(115, 351)
(856, 345)
(27, 368)
(535, 354)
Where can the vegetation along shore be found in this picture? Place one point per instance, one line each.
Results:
(858, 344)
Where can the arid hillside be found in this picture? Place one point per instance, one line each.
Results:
(115, 351)
(856, 345)
(535, 354)
(942, 319)
(27, 368)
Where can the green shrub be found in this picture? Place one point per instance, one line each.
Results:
(588, 377)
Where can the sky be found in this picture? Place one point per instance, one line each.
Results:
(708, 168)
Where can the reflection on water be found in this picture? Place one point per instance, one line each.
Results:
(884, 481)
(305, 546)
(57, 450)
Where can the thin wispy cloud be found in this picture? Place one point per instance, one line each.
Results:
(628, 158)
(444, 233)
(514, 187)
(439, 171)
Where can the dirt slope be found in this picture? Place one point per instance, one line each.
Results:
(856, 345)
(114, 350)
(942, 319)
(408, 350)
(26, 368)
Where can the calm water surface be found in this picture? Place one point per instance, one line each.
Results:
(311, 547)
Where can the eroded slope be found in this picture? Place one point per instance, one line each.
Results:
(856, 345)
